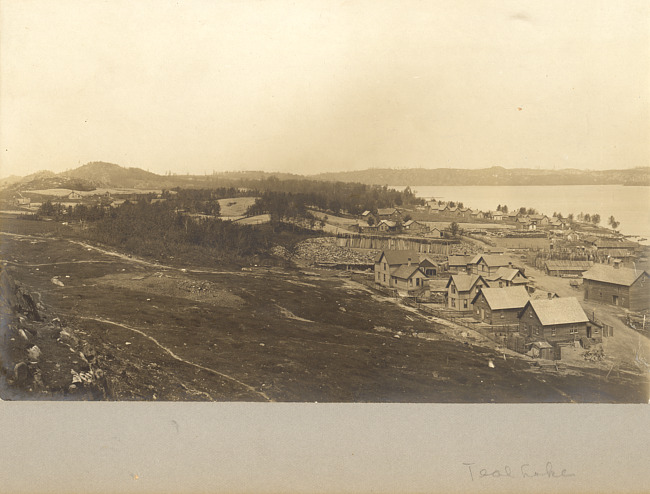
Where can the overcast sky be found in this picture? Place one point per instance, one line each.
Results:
(197, 86)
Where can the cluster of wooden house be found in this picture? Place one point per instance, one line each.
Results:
(494, 291)
(523, 221)
(391, 220)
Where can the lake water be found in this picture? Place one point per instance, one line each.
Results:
(629, 205)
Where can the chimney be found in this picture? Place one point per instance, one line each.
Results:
(616, 263)
(409, 261)
(550, 295)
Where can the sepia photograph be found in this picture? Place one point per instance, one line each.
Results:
(326, 203)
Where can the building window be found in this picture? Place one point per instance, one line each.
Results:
(502, 315)
(384, 266)
(384, 278)
(464, 304)
(453, 302)
(536, 330)
(553, 331)
(573, 329)
(453, 289)
(417, 281)
(530, 314)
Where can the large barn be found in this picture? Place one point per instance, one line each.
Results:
(556, 320)
(615, 285)
(567, 268)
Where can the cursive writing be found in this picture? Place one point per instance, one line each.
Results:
(526, 471)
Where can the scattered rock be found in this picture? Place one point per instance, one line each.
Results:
(34, 352)
(57, 281)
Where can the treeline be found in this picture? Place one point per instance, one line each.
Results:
(167, 229)
(335, 197)
(159, 230)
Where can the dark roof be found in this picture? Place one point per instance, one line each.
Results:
(565, 310)
(511, 297)
(404, 272)
(464, 282)
(394, 257)
(426, 260)
(610, 274)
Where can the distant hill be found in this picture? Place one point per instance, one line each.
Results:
(108, 175)
(112, 175)
(490, 176)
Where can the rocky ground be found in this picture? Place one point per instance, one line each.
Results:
(325, 250)
(97, 324)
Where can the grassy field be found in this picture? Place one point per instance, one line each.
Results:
(164, 332)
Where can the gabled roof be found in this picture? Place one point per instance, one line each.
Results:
(394, 257)
(365, 213)
(492, 260)
(412, 222)
(566, 310)
(511, 297)
(386, 211)
(426, 260)
(388, 223)
(507, 274)
(404, 272)
(615, 276)
(465, 282)
(458, 260)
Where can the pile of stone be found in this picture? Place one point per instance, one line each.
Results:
(325, 250)
(594, 354)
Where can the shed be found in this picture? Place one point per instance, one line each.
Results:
(543, 350)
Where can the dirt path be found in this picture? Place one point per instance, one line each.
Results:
(176, 357)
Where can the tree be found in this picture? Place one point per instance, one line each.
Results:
(454, 229)
(499, 207)
(586, 217)
(522, 210)
(613, 223)
(504, 209)
(570, 216)
(408, 217)
(371, 220)
(595, 219)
